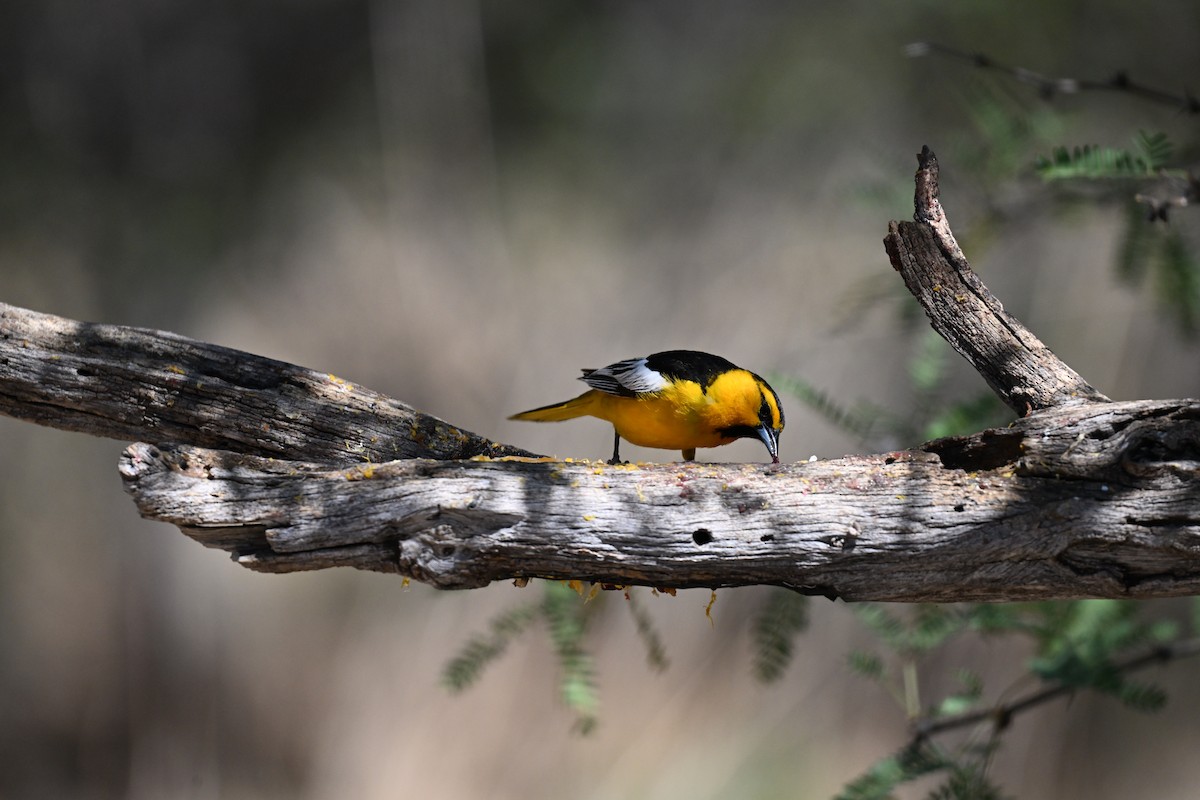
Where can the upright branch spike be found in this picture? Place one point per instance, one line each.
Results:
(1025, 374)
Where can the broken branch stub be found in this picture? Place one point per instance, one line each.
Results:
(1023, 371)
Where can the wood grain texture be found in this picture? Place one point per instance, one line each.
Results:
(136, 384)
(1099, 500)
(1025, 373)
(278, 465)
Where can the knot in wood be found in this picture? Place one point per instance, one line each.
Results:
(1152, 451)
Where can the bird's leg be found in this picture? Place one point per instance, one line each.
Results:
(689, 454)
(616, 459)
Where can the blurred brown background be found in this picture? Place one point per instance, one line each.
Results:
(460, 204)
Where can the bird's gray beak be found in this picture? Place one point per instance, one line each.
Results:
(770, 438)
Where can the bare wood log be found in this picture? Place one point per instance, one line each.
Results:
(1080, 498)
(1098, 500)
(131, 383)
(1016, 364)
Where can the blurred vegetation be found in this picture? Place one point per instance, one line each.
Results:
(1078, 645)
(166, 163)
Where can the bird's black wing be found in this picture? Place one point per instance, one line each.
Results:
(627, 378)
(636, 376)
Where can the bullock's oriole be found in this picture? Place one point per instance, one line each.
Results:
(676, 400)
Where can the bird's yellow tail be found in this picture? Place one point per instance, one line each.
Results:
(580, 406)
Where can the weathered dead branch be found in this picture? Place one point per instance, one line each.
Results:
(1020, 369)
(1088, 501)
(277, 464)
(136, 384)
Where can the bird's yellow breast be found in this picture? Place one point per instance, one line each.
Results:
(683, 415)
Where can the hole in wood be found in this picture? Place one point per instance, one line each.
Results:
(988, 450)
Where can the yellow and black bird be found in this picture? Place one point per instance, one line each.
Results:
(675, 400)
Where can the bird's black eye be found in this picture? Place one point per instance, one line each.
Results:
(765, 414)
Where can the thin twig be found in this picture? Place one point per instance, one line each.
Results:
(1002, 715)
(1049, 87)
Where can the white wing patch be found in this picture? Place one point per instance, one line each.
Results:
(631, 376)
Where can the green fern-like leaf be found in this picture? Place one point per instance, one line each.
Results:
(1090, 161)
(930, 625)
(1081, 648)
(1179, 281)
(1146, 248)
(868, 665)
(784, 615)
(481, 650)
(997, 618)
(963, 701)
(878, 782)
(1150, 154)
(883, 623)
(1161, 631)
(656, 654)
(1144, 697)
(566, 617)
(1139, 245)
(971, 682)
(1154, 149)
(966, 782)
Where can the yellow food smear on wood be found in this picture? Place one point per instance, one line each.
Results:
(360, 473)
